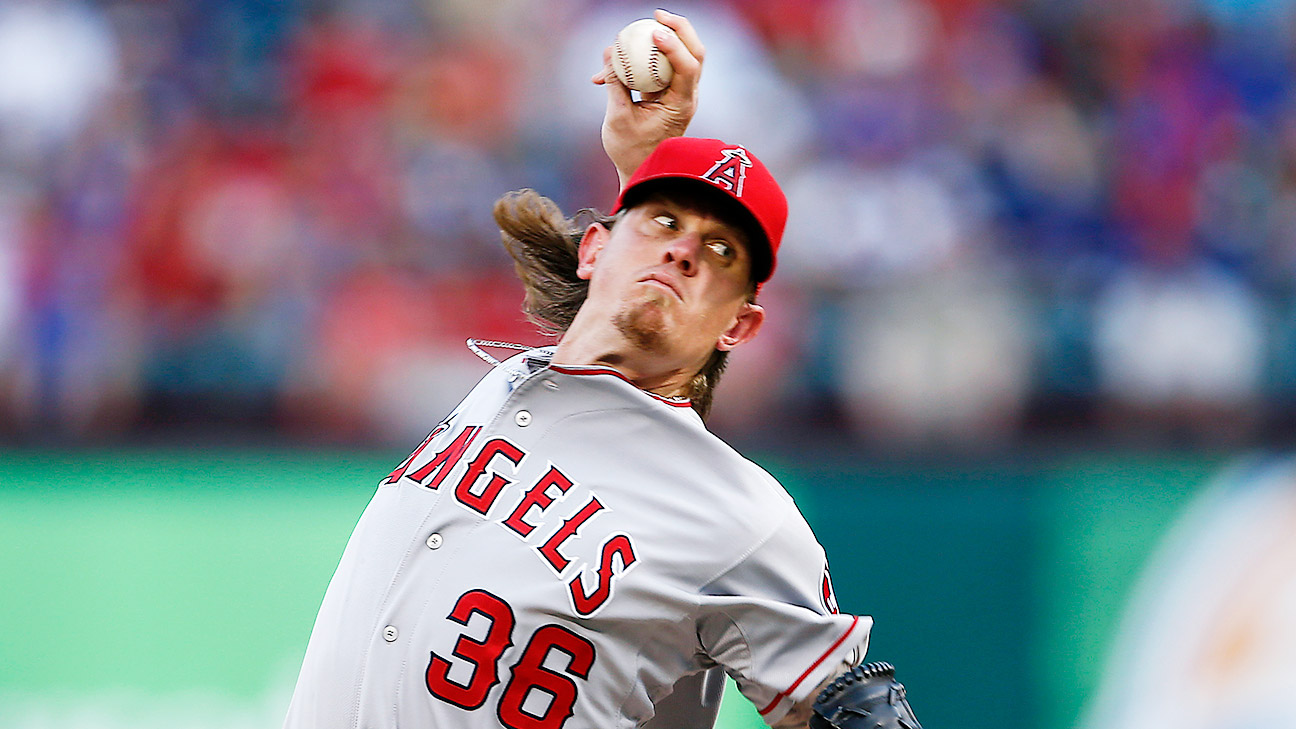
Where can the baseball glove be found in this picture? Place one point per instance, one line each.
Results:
(866, 697)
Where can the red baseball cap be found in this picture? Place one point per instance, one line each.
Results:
(730, 169)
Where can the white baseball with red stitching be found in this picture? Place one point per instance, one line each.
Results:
(636, 59)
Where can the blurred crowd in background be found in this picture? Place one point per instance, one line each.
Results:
(1010, 221)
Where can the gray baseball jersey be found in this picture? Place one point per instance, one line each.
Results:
(567, 550)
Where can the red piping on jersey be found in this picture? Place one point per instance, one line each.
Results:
(808, 671)
(596, 370)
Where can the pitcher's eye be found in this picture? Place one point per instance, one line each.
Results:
(667, 221)
(722, 249)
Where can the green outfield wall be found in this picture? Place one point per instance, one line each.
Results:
(174, 588)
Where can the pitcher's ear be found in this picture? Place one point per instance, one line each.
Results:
(746, 324)
(596, 236)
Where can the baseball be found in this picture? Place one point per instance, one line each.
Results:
(636, 59)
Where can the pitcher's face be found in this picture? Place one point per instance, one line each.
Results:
(673, 278)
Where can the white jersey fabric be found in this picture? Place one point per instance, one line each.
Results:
(567, 550)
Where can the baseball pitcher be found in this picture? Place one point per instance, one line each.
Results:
(570, 547)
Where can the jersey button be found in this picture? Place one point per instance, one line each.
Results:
(523, 418)
(435, 541)
(390, 633)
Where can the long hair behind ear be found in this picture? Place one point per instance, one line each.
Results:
(702, 386)
(544, 245)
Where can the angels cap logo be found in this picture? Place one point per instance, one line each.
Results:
(730, 171)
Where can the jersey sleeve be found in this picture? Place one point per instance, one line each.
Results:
(772, 622)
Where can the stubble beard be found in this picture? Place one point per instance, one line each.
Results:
(643, 323)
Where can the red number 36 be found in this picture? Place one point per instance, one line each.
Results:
(529, 674)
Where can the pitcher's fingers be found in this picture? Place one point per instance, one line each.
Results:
(619, 98)
(685, 30)
(687, 68)
(606, 72)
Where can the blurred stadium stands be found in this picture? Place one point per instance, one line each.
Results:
(1015, 223)
(1012, 221)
